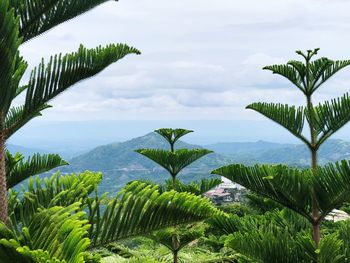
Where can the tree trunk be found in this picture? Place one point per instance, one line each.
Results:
(3, 188)
(174, 182)
(316, 233)
(175, 256)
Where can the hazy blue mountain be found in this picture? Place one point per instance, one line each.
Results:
(292, 154)
(24, 150)
(120, 163)
(232, 148)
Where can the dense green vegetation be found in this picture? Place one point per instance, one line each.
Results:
(67, 219)
(120, 164)
(312, 192)
(174, 161)
(20, 21)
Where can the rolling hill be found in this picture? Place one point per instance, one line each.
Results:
(120, 163)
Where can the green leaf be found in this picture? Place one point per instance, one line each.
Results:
(330, 249)
(139, 209)
(49, 80)
(16, 118)
(197, 188)
(289, 117)
(324, 68)
(177, 238)
(38, 16)
(331, 116)
(332, 186)
(292, 71)
(57, 190)
(57, 235)
(288, 187)
(172, 135)
(271, 245)
(9, 43)
(34, 165)
(61, 231)
(175, 161)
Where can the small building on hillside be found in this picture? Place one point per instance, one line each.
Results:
(219, 195)
(228, 184)
(337, 215)
(225, 192)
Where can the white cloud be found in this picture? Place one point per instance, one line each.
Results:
(201, 59)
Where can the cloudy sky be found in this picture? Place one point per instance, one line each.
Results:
(201, 60)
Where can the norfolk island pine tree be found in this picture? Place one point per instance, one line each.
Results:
(313, 192)
(174, 161)
(20, 21)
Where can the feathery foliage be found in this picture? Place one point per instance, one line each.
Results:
(20, 21)
(140, 209)
(19, 169)
(197, 188)
(312, 193)
(38, 16)
(174, 161)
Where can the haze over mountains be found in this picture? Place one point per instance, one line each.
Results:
(120, 163)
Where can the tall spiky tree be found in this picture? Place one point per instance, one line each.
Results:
(20, 21)
(174, 161)
(60, 219)
(314, 192)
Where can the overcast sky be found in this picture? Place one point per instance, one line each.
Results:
(201, 60)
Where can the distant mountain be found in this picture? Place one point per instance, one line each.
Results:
(232, 148)
(292, 154)
(24, 150)
(120, 163)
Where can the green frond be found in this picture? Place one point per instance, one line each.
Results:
(140, 209)
(332, 186)
(172, 135)
(292, 188)
(227, 224)
(34, 165)
(9, 43)
(61, 72)
(57, 234)
(309, 76)
(177, 238)
(197, 188)
(38, 16)
(317, 68)
(300, 68)
(260, 203)
(16, 118)
(273, 245)
(289, 117)
(285, 219)
(63, 225)
(331, 116)
(57, 190)
(288, 187)
(289, 72)
(330, 249)
(11, 251)
(175, 161)
(20, 68)
(324, 69)
(344, 235)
